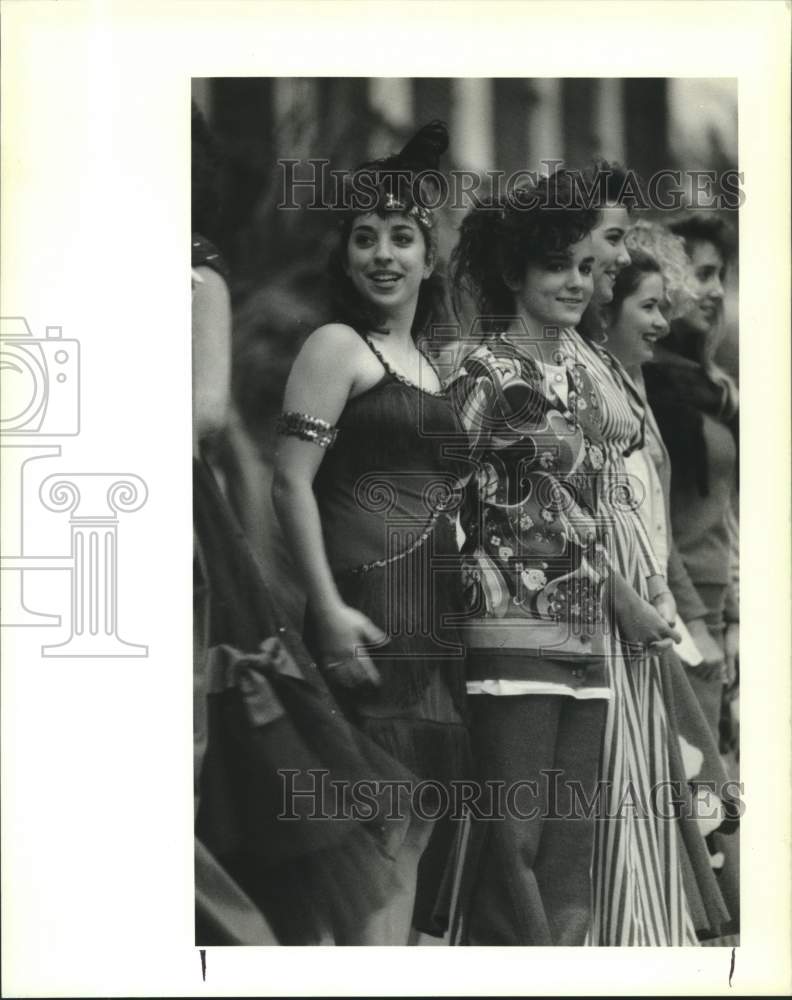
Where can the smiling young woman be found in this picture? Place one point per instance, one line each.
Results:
(561, 580)
(555, 288)
(635, 319)
(364, 493)
(542, 656)
(611, 188)
(260, 706)
(641, 321)
(697, 410)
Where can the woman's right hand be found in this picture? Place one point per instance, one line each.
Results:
(712, 666)
(640, 624)
(343, 633)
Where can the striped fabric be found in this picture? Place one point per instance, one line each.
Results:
(638, 892)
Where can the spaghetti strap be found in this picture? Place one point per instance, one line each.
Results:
(403, 378)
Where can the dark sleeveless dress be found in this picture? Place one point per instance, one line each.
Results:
(387, 493)
(263, 717)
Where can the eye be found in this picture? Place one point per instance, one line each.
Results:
(363, 239)
(403, 239)
(614, 239)
(585, 269)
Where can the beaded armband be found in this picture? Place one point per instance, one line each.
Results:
(307, 428)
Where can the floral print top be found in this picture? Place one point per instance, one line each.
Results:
(548, 496)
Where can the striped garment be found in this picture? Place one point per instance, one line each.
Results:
(637, 885)
(579, 414)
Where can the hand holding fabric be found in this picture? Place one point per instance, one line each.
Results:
(344, 632)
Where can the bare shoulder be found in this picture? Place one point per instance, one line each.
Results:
(329, 367)
(334, 351)
(209, 283)
(333, 341)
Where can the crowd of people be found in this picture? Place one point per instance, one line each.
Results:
(507, 718)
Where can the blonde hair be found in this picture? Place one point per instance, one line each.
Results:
(669, 252)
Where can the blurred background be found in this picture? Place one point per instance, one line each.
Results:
(277, 257)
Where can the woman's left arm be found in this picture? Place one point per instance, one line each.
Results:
(211, 354)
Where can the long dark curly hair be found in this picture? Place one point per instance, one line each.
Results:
(402, 183)
(500, 237)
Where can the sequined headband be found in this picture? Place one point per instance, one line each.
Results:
(421, 214)
(391, 203)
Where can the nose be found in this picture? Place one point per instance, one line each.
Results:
(624, 259)
(383, 252)
(575, 280)
(716, 291)
(660, 323)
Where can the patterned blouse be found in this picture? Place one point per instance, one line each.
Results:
(549, 496)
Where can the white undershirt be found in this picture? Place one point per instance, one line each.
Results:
(504, 687)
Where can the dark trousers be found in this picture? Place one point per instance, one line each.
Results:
(710, 695)
(709, 690)
(530, 882)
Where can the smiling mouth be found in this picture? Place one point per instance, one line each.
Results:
(384, 279)
(571, 302)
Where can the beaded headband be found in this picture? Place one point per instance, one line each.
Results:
(419, 157)
(392, 203)
(421, 214)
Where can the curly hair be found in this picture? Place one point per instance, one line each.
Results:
(628, 282)
(609, 183)
(500, 237)
(403, 183)
(705, 227)
(668, 251)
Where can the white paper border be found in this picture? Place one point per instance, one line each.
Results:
(96, 762)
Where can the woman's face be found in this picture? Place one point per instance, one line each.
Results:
(640, 323)
(556, 290)
(386, 259)
(610, 250)
(708, 274)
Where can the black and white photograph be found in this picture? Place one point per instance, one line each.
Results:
(378, 583)
(466, 435)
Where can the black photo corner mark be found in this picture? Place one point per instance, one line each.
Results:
(202, 953)
(731, 970)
